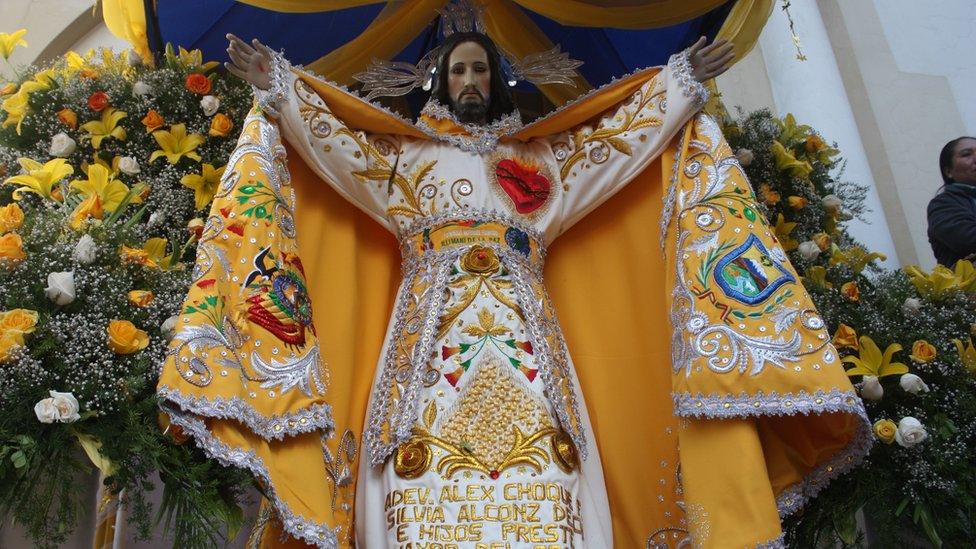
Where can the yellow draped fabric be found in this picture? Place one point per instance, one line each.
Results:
(307, 6)
(744, 458)
(126, 19)
(593, 13)
(386, 36)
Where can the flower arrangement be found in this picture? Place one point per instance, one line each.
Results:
(906, 339)
(107, 167)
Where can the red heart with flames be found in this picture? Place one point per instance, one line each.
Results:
(527, 188)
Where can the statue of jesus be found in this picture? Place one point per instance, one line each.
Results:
(476, 432)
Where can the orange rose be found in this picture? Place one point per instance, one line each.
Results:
(769, 196)
(11, 249)
(845, 337)
(11, 217)
(198, 83)
(797, 202)
(851, 291)
(220, 125)
(88, 73)
(68, 118)
(153, 121)
(814, 144)
(98, 101)
(125, 339)
(141, 298)
(923, 351)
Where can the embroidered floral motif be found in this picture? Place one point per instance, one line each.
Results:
(487, 331)
(485, 429)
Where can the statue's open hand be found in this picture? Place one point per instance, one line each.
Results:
(709, 61)
(251, 62)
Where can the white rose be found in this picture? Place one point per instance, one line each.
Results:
(66, 405)
(169, 327)
(62, 145)
(140, 88)
(46, 411)
(85, 250)
(134, 58)
(809, 250)
(911, 306)
(871, 388)
(831, 202)
(129, 165)
(61, 287)
(210, 105)
(745, 156)
(913, 384)
(910, 432)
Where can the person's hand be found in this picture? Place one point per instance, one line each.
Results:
(252, 63)
(709, 61)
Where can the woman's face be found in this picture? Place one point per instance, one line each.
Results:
(469, 79)
(963, 168)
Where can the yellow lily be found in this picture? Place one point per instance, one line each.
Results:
(176, 144)
(967, 354)
(40, 179)
(817, 276)
(190, 59)
(936, 284)
(110, 191)
(155, 248)
(871, 362)
(17, 106)
(99, 130)
(73, 64)
(204, 185)
(855, 257)
(112, 168)
(783, 230)
(787, 162)
(791, 132)
(10, 41)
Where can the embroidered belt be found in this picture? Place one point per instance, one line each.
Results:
(463, 233)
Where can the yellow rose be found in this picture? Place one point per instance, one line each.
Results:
(769, 196)
(141, 298)
(125, 339)
(480, 260)
(8, 342)
(22, 321)
(220, 125)
(11, 249)
(885, 430)
(412, 459)
(851, 291)
(797, 202)
(845, 337)
(11, 217)
(923, 351)
(68, 118)
(822, 240)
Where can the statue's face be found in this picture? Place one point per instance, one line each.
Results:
(469, 81)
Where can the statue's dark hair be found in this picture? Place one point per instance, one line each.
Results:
(946, 156)
(500, 102)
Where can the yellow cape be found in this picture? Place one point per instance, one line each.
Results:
(753, 444)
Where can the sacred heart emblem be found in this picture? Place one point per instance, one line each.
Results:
(523, 183)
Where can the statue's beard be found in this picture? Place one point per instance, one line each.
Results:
(471, 112)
